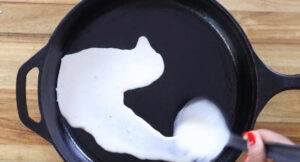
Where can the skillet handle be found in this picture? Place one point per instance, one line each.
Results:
(290, 81)
(36, 61)
(270, 83)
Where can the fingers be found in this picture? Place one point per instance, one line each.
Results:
(256, 149)
(270, 136)
(256, 140)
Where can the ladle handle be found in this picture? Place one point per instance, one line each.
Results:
(282, 152)
(277, 152)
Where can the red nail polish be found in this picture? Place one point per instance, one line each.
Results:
(250, 137)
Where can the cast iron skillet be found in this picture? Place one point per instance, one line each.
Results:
(206, 54)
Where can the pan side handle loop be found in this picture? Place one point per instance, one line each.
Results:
(35, 62)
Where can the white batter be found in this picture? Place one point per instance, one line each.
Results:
(90, 93)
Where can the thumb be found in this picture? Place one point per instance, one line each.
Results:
(256, 148)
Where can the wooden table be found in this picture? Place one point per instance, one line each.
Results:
(273, 27)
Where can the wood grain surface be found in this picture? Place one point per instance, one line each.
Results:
(273, 26)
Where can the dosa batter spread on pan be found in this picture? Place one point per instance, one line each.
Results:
(90, 94)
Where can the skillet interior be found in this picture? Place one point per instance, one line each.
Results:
(204, 51)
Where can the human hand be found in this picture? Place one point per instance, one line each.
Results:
(256, 148)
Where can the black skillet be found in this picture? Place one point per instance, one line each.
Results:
(206, 53)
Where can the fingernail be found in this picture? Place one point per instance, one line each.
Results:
(250, 137)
